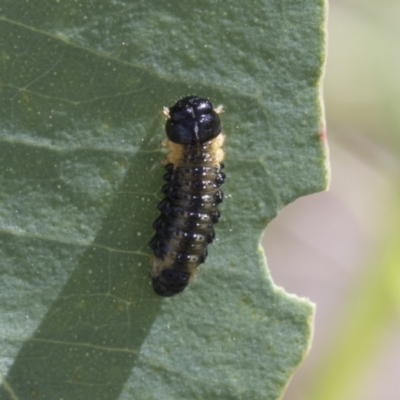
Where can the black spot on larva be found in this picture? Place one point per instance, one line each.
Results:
(170, 282)
(192, 193)
(192, 120)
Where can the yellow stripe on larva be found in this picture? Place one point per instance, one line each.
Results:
(213, 147)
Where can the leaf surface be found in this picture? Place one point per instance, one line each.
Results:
(82, 90)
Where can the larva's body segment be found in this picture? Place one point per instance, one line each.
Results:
(192, 193)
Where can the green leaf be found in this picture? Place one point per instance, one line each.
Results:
(83, 85)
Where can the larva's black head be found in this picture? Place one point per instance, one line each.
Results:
(170, 282)
(192, 120)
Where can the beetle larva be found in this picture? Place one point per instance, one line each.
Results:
(192, 193)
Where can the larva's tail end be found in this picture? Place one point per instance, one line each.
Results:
(170, 282)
